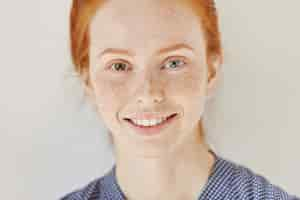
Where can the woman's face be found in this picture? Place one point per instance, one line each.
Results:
(158, 51)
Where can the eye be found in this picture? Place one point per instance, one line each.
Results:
(172, 63)
(118, 66)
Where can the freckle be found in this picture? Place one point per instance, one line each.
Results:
(170, 12)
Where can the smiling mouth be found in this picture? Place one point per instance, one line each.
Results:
(169, 117)
(149, 127)
(152, 130)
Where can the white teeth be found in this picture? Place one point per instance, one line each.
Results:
(151, 122)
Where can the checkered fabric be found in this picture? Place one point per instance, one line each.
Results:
(227, 181)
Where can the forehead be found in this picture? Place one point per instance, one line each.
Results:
(147, 24)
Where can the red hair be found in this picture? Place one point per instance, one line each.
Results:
(82, 12)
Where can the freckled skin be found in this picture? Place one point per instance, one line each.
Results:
(144, 27)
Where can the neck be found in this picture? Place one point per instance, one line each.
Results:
(179, 174)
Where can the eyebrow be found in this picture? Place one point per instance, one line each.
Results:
(161, 51)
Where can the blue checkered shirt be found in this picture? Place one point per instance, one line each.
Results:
(227, 181)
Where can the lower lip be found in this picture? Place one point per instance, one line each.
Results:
(152, 130)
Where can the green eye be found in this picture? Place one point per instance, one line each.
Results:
(175, 62)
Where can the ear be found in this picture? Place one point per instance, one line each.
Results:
(88, 89)
(214, 71)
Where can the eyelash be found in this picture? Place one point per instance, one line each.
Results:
(169, 60)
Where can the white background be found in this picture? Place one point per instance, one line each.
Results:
(52, 142)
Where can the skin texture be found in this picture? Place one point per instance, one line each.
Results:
(174, 164)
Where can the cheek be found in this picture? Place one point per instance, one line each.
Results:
(189, 92)
(110, 96)
(190, 85)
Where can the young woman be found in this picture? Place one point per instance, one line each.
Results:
(148, 67)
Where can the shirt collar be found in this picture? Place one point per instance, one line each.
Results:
(219, 182)
(217, 185)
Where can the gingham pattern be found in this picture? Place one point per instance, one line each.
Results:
(228, 181)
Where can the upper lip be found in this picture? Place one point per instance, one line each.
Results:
(148, 116)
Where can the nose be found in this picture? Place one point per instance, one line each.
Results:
(150, 90)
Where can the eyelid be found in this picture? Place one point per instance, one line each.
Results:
(174, 57)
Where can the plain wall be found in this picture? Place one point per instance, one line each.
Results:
(52, 142)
